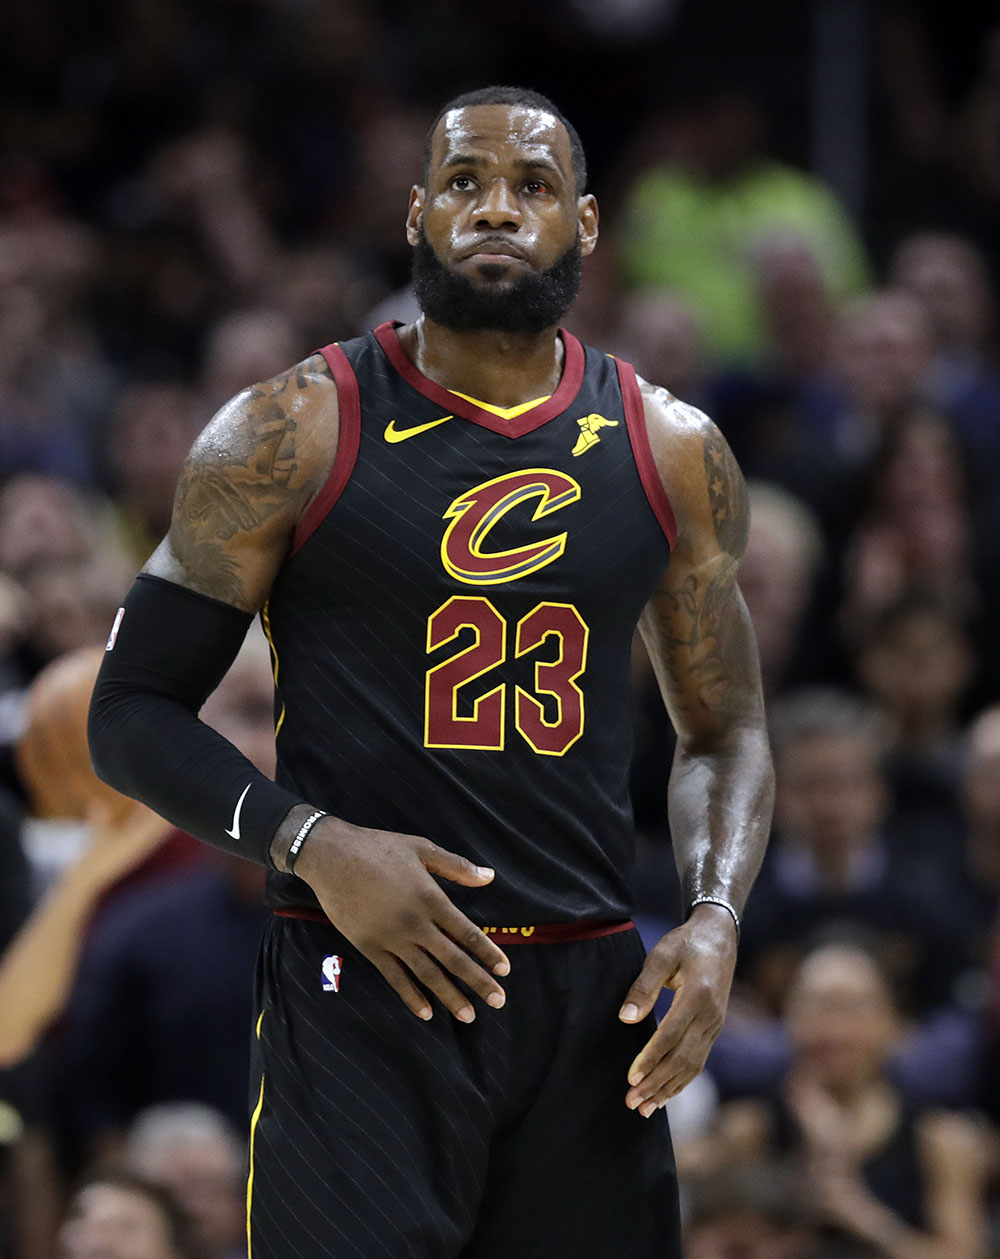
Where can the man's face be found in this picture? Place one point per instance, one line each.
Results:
(499, 231)
(111, 1222)
(831, 795)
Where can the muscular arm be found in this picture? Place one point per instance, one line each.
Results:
(698, 634)
(245, 487)
(247, 483)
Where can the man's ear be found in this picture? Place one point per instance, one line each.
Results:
(589, 219)
(415, 215)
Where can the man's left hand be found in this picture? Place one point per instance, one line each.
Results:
(696, 960)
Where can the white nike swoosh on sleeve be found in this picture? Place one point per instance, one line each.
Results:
(235, 832)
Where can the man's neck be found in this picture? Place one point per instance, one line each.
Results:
(501, 368)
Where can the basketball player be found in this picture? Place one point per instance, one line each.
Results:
(450, 530)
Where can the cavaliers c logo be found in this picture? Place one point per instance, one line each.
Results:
(474, 513)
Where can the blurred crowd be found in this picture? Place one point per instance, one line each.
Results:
(194, 196)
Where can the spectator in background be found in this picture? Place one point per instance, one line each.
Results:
(37, 970)
(163, 1002)
(660, 335)
(211, 181)
(117, 1215)
(980, 799)
(44, 520)
(916, 661)
(901, 1183)
(778, 576)
(709, 200)
(199, 1156)
(153, 427)
(390, 150)
(61, 549)
(84, 841)
(948, 275)
(243, 347)
(778, 412)
(323, 292)
(596, 315)
(54, 382)
(881, 357)
(829, 864)
(915, 529)
(755, 1211)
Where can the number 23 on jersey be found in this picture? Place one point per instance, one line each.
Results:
(485, 727)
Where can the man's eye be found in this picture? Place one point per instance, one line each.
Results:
(462, 183)
(536, 186)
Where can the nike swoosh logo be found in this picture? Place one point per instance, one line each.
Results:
(394, 434)
(235, 832)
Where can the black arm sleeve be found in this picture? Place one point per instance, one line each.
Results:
(168, 651)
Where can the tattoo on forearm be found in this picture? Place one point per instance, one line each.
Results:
(726, 493)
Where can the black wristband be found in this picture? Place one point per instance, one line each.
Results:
(301, 835)
(169, 649)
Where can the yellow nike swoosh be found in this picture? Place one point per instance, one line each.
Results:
(394, 434)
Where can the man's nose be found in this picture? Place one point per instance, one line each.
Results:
(498, 207)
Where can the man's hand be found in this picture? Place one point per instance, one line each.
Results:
(697, 961)
(376, 888)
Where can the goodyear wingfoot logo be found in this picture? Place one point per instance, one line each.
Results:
(474, 513)
(588, 432)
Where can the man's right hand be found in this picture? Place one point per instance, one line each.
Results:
(376, 888)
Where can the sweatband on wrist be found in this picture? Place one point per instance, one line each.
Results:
(169, 649)
(300, 837)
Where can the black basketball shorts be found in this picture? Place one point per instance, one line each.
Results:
(378, 1136)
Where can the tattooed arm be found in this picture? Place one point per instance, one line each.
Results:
(246, 484)
(249, 478)
(245, 487)
(698, 634)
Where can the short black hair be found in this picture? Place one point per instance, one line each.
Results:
(499, 95)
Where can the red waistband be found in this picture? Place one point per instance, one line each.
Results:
(545, 933)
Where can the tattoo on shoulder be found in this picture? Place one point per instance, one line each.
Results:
(239, 475)
(301, 375)
(726, 493)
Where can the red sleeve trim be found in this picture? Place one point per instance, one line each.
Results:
(348, 442)
(635, 420)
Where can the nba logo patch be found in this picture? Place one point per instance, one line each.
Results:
(331, 973)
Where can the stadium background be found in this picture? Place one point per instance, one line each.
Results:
(799, 205)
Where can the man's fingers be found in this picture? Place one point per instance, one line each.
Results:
(675, 1026)
(657, 970)
(471, 938)
(397, 978)
(670, 1074)
(674, 1071)
(449, 865)
(430, 974)
(673, 1085)
(461, 964)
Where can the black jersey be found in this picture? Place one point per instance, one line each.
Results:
(452, 630)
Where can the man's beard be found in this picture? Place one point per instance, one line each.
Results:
(531, 304)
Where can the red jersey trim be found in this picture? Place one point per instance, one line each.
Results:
(452, 404)
(545, 933)
(348, 443)
(635, 420)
